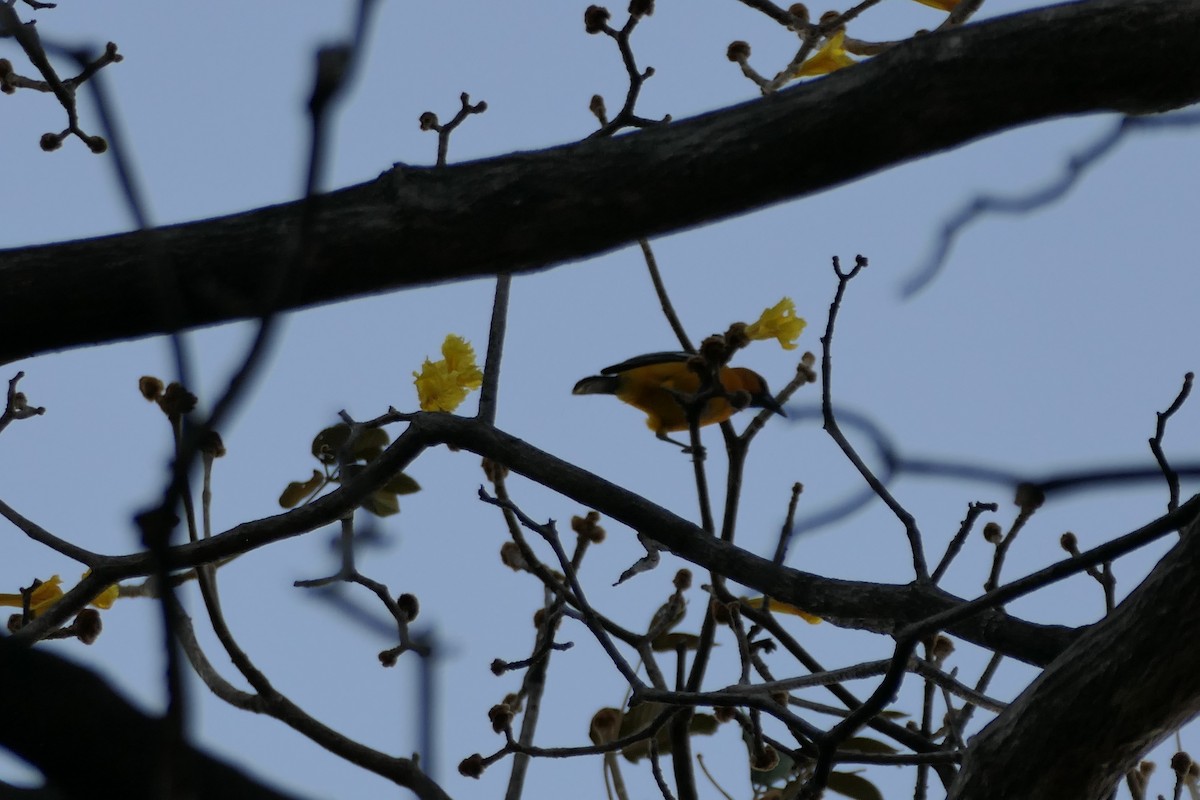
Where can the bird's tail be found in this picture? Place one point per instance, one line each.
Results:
(597, 384)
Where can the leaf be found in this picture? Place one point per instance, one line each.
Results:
(643, 564)
(367, 446)
(862, 744)
(605, 725)
(325, 445)
(381, 503)
(668, 615)
(783, 769)
(297, 491)
(401, 484)
(852, 785)
(639, 718)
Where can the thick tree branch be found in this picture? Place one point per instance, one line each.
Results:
(1118, 690)
(528, 211)
(882, 608)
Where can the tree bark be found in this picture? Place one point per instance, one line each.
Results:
(1119, 689)
(528, 211)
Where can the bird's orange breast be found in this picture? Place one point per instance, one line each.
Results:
(653, 389)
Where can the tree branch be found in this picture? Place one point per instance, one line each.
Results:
(1119, 689)
(881, 608)
(528, 211)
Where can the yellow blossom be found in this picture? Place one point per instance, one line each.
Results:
(50, 592)
(45, 595)
(460, 360)
(106, 598)
(780, 607)
(943, 5)
(436, 388)
(778, 322)
(832, 56)
(443, 385)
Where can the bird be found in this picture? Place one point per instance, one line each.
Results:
(657, 383)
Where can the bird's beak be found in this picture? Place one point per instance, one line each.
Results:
(768, 402)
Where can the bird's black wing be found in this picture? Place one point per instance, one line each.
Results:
(649, 359)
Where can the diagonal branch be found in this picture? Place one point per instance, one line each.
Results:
(1124, 685)
(529, 211)
(875, 607)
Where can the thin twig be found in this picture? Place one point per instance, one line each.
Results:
(664, 299)
(534, 684)
(42, 536)
(656, 769)
(966, 712)
(771, 10)
(169, 305)
(789, 522)
(17, 407)
(1102, 575)
(829, 743)
(1073, 171)
(964, 530)
(590, 617)
(921, 786)
(835, 431)
(899, 733)
(689, 700)
(868, 669)
(1030, 500)
(429, 122)
(1169, 523)
(1156, 441)
(402, 771)
(35, 49)
(489, 391)
(626, 118)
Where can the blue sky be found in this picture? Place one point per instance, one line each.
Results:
(1047, 344)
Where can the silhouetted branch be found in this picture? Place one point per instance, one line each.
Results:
(416, 226)
(1160, 430)
(1074, 170)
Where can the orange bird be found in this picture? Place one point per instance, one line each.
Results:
(653, 383)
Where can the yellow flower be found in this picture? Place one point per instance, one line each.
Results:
(778, 322)
(106, 598)
(832, 56)
(443, 385)
(50, 592)
(436, 387)
(460, 360)
(45, 595)
(943, 5)
(780, 607)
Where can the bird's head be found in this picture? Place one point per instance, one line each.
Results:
(754, 387)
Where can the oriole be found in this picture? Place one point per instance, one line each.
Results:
(655, 383)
